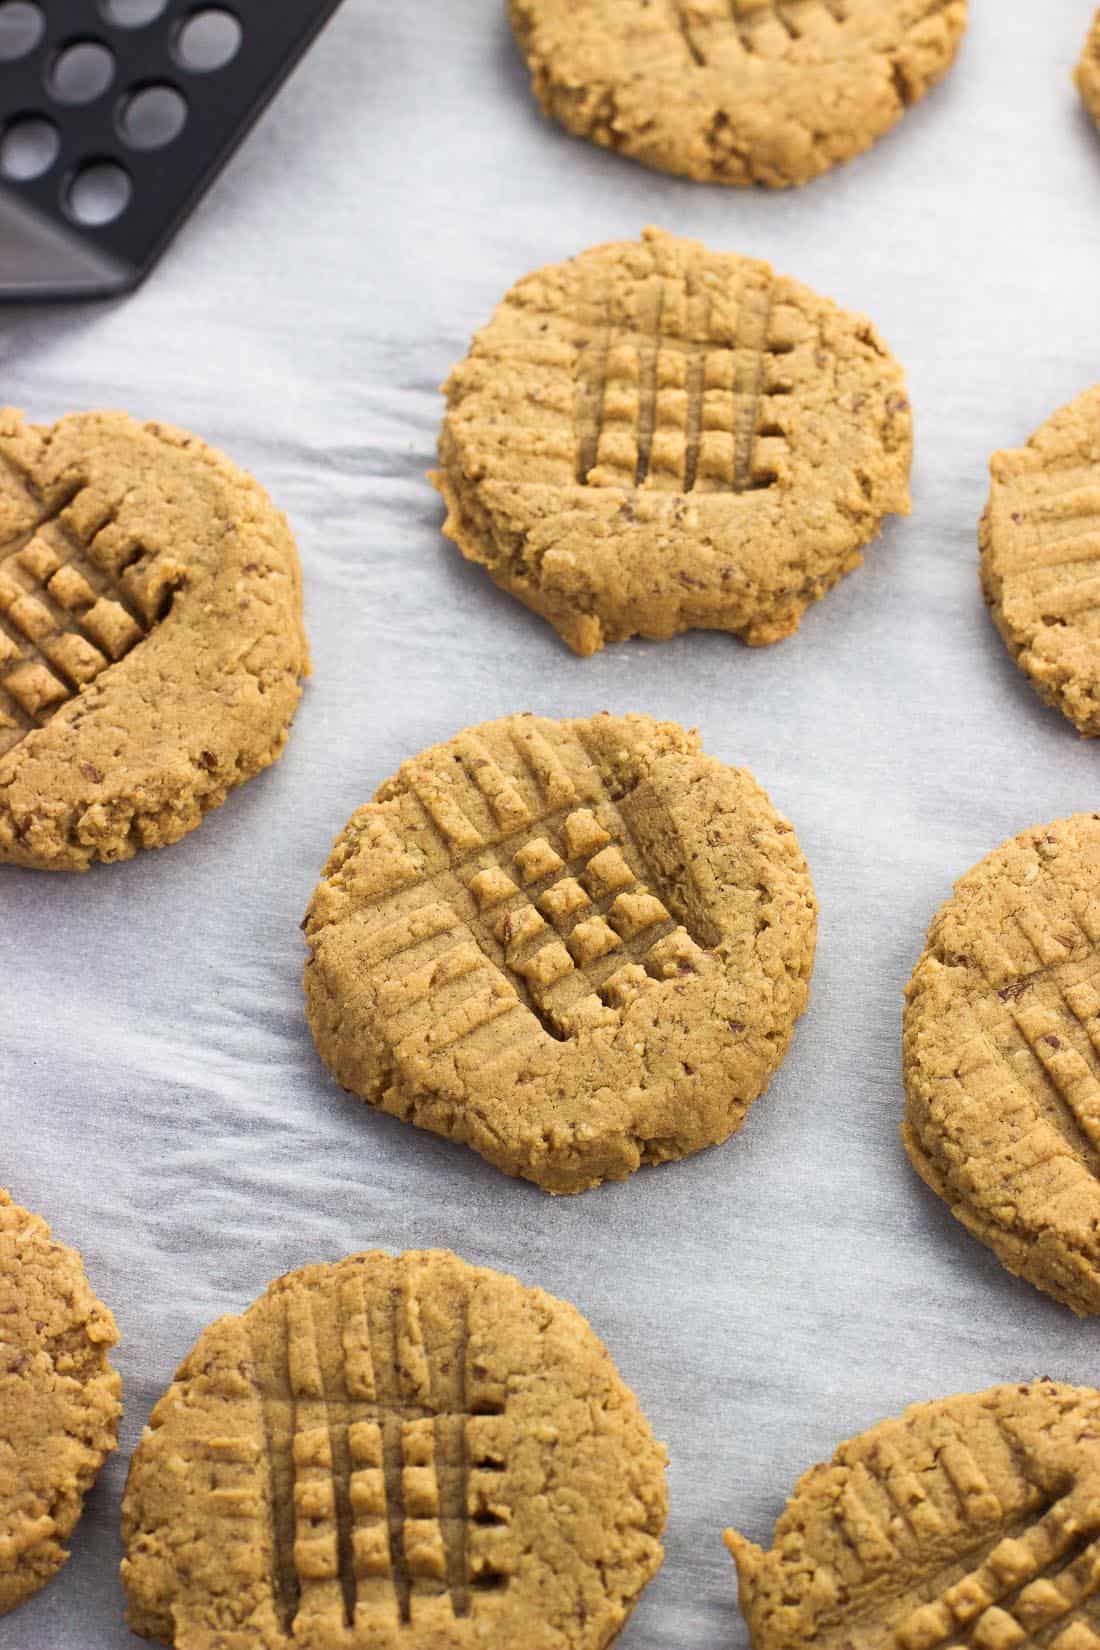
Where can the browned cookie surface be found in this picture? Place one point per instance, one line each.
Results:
(1088, 71)
(736, 91)
(654, 438)
(394, 1454)
(1002, 1057)
(575, 946)
(151, 642)
(1040, 542)
(59, 1399)
(971, 1521)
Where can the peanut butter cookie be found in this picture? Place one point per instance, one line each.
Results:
(1040, 540)
(653, 438)
(971, 1521)
(390, 1453)
(1088, 71)
(59, 1399)
(575, 946)
(1002, 1057)
(151, 642)
(736, 91)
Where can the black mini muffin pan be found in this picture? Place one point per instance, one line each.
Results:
(116, 116)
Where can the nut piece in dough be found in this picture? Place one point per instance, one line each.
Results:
(654, 438)
(394, 1454)
(740, 92)
(59, 1399)
(1002, 1057)
(969, 1521)
(574, 946)
(151, 641)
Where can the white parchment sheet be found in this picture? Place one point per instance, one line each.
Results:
(160, 1099)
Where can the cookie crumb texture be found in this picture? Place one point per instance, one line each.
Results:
(1039, 539)
(970, 1521)
(740, 92)
(654, 438)
(1088, 71)
(394, 1454)
(1002, 1057)
(151, 640)
(574, 946)
(59, 1399)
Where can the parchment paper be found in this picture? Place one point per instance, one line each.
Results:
(160, 1099)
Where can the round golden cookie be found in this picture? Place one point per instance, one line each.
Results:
(151, 641)
(574, 946)
(736, 91)
(653, 438)
(969, 1521)
(1002, 1057)
(1040, 539)
(1088, 71)
(59, 1399)
(394, 1454)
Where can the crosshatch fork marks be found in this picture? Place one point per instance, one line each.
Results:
(345, 1467)
(876, 1490)
(1058, 1021)
(560, 935)
(696, 379)
(699, 316)
(554, 903)
(72, 602)
(392, 1471)
(591, 389)
(752, 337)
(1031, 1584)
(795, 17)
(339, 1446)
(649, 365)
(1052, 545)
(1031, 1568)
(683, 23)
(656, 408)
(454, 1462)
(280, 1465)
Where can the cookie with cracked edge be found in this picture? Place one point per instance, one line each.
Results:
(652, 438)
(1088, 71)
(59, 1399)
(574, 946)
(969, 1521)
(1001, 1057)
(740, 92)
(151, 641)
(387, 1453)
(1039, 540)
